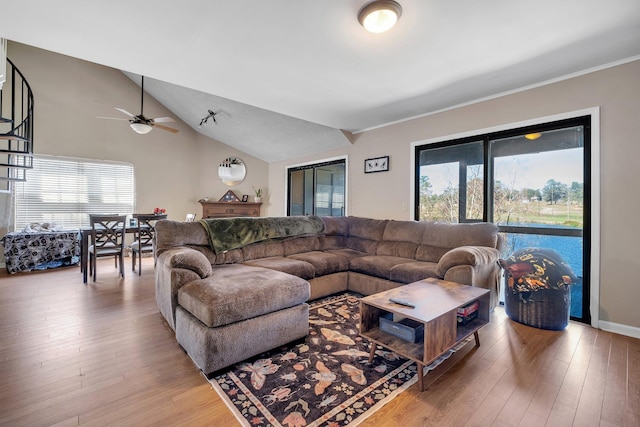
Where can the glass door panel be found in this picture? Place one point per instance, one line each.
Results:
(532, 182)
(538, 196)
(441, 197)
(317, 189)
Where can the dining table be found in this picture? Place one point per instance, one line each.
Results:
(85, 236)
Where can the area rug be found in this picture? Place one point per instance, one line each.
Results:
(324, 381)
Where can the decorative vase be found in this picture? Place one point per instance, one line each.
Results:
(257, 199)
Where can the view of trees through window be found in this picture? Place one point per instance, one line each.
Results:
(552, 202)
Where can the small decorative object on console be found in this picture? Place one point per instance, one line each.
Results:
(467, 313)
(159, 211)
(229, 196)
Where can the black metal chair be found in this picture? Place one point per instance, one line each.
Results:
(143, 241)
(107, 240)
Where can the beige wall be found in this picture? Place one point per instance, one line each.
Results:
(172, 171)
(615, 90)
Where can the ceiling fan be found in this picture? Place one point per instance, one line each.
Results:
(139, 123)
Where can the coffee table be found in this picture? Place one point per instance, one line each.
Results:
(436, 304)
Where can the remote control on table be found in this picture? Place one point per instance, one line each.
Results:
(402, 302)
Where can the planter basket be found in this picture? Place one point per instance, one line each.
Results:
(539, 294)
(544, 309)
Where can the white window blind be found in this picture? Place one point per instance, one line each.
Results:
(66, 191)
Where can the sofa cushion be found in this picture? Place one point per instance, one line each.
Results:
(362, 245)
(430, 253)
(400, 249)
(170, 234)
(332, 242)
(233, 256)
(323, 262)
(366, 228)
(296, 245)
(404, 231)
(336, 225)
(238, 292)
(439, 237)
(269, 248)
(413, 271)
(348, 254)
(377, 265)
(286, 265)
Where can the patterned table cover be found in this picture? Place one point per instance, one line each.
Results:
(29, 251)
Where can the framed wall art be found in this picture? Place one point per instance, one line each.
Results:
(376, 164)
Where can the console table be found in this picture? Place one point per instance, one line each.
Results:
(229, 209)
(435, 305)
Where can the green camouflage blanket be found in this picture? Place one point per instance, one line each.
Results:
(232, 233)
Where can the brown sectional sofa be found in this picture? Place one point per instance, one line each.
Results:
(226, 307)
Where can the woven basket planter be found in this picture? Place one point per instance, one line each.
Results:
(544, 309)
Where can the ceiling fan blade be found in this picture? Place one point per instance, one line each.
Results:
(163, 120)
(122, 110)
(111, 118)
(167, 128)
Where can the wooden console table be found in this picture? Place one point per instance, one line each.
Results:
(229, 209)
(436, 303)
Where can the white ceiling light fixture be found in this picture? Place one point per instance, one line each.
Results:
(141, 128)
(380, 15)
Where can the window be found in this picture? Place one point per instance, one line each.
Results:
(66, 191)
(317, 189)
(533, 182)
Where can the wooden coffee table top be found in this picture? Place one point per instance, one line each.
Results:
(432, 298)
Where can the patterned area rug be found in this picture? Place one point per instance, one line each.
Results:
(324, 381)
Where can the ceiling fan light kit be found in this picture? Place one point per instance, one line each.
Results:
(380, 15)
(141, 128)
(140, 124)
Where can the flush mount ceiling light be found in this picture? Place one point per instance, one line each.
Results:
(379, 16)
(533, 136)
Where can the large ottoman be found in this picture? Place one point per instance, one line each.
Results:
(239, 312)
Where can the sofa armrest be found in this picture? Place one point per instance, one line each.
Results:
(175, 268)
(187, 258)
(466, 255)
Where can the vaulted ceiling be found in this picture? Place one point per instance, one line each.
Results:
(289, 78)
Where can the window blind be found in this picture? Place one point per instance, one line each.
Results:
(66, 191)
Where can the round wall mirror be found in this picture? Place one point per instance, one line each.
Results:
(232, 171)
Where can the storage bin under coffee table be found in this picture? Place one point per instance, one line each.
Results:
(436, 306)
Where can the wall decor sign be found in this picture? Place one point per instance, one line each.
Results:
(377, 164)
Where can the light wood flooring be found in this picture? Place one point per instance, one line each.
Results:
(101, 354)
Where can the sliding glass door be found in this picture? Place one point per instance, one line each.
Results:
(317, 189)
(532, 182)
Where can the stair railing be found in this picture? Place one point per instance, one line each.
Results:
(16, 126)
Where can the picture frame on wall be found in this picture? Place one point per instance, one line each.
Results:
(376, 164)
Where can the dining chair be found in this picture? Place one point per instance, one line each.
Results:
(143, 240)
(107, 240)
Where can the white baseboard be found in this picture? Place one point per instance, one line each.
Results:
(629, 331)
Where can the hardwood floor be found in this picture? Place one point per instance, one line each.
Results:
(101, 354)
